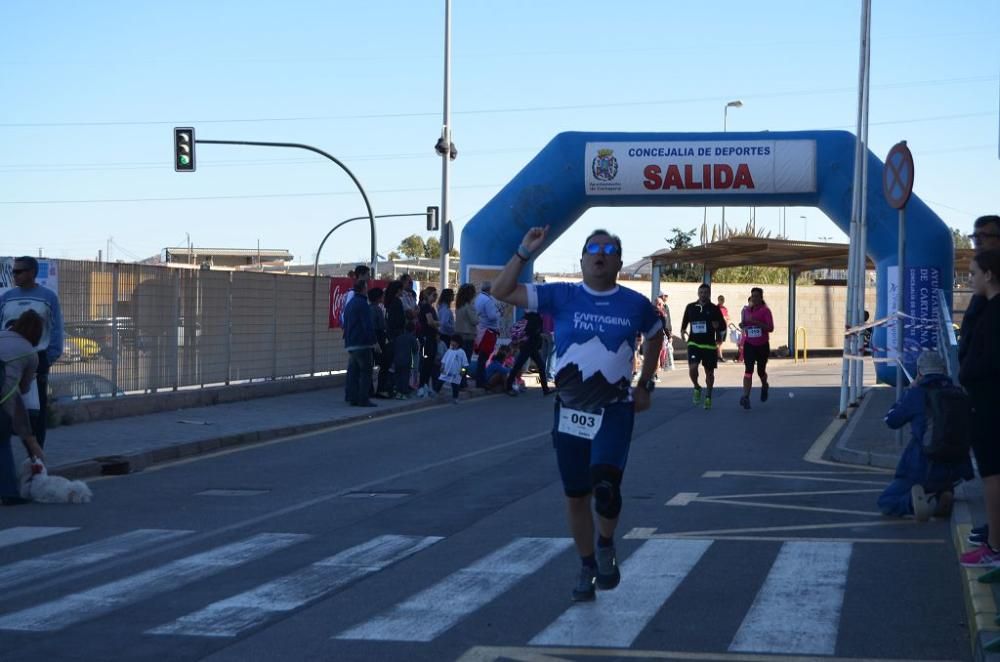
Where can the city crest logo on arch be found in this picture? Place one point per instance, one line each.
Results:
(605, 166)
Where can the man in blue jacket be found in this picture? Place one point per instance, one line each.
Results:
(29, 295)
(359, 338)
(920, 487)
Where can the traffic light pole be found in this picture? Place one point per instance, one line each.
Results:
(370, 217)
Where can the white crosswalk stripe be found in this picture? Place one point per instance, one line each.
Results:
(431, 612)
(798, 608)
(18, 534)
(650, 576)
(230, 617)
(104, 599)
(30, 570)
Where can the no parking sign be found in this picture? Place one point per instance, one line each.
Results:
(897, 177)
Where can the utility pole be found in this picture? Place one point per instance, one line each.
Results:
(447, 149)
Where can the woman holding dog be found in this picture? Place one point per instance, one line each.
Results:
(20, 362)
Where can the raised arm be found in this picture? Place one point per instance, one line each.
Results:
(505, 287)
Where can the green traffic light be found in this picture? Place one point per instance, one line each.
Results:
(184, 160)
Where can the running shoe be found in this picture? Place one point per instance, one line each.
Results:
(697, 397)
(608, 575)
(922, 508)
(978, 536)
(585, 590)
(764, 388)
(981, 557)
(708, 402)
(745, 402)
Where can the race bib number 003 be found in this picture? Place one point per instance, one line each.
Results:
(699, 327)
(580, 423)
(754, 332)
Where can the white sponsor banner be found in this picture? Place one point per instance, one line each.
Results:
(703, 167)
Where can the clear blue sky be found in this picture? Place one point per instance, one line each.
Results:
(91, 92)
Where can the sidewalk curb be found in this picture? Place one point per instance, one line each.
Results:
(980, 603)
(168, 452)
(841, 453)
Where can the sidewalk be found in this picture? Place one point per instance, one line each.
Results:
(866, 440)
(122, 445)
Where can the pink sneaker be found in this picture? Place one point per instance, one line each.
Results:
(981, 557)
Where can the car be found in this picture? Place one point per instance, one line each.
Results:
(102, 331)
(81, 349)
(66, 386)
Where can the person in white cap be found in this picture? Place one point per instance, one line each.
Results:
(932, 463)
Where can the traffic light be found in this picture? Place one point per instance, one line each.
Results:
(184, 149)
(432, 219)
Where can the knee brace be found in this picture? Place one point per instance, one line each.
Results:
(607, 480)
(748, 375)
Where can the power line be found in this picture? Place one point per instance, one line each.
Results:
(483, 111)
(235, 197)
(158, 165)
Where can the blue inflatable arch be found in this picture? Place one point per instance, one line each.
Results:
(577, 171)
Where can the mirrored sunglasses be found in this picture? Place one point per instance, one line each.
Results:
(608, 249)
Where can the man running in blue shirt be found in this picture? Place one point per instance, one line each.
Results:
(596, 324)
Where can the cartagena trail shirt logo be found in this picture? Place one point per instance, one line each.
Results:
(604, 166)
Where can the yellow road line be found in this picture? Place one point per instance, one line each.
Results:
(528, 654)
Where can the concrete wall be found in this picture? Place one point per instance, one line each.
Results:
(820, 310)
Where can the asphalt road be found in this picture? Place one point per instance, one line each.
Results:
(439, 535)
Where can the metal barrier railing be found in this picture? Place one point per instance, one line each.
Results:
(804, 344)
(134, 328)
(947, 342)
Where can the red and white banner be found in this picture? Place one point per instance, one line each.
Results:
(700, 168)
(339, 287)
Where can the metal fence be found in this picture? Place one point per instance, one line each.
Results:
(139, 328)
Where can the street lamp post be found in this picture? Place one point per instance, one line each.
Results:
(312, 361)
(725, 121)
(805, 231)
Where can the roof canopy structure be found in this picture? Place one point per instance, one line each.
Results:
(756, 251)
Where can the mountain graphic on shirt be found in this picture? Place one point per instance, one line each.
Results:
(590, 376)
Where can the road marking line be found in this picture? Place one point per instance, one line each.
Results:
(232, 616)
(879, 541)
(640, 533)
(333, 427)
(711, 533)
(649, 577)
(104, 599)
(436, 609)
(815, 453)
(18, 534)
(32, 570)
(682, 499)
(782, 494)
(782, 506)
(790, 472)
(497, 653)
(818, 479)
(797, 610)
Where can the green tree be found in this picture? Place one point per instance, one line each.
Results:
(961, 240)
(432, 248)
(681, 239)
(413, 246)
(393, 255)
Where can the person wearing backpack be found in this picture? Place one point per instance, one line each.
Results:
(937, 456)
(979, 374)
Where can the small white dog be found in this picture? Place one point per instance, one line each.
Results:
(38, 485)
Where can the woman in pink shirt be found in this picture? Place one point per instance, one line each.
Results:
(757, 325)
